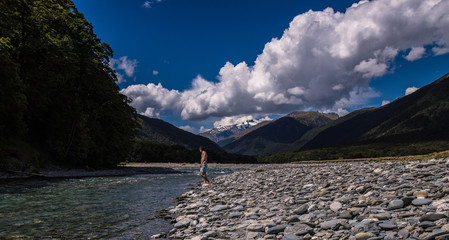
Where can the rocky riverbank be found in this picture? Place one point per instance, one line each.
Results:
(379, 200)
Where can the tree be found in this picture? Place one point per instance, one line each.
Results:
(74, 112)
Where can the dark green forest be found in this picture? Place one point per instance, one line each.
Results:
(59, 101)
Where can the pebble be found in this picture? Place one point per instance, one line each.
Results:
(349, 200)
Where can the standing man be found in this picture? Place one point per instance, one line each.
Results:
(203, 166)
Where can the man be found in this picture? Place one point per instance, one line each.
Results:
(203, 166)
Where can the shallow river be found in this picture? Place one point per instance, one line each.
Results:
(98, 208)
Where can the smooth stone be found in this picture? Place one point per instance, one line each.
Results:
(301, 210)
(293, 218)
(404, 233)
(442, 237)
(335, 206)
(388, 225)
(219, 208)
(445, 227)
(421, 201)
(426, 224)
(238, 208)
(332, 224)
(346, 214)
(214, 218)
(235, 215)
(381, 216)
(436, 233)
(432, 217)
(254, 235)
(298, 229)
(183, 223)
(275, 229)
(255, 228)
(396, 204)
(291, 237)
(209, 234)
(364, 235)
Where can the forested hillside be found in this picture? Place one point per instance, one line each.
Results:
(159, 131)
(59, 101)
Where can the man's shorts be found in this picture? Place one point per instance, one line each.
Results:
(203, 168)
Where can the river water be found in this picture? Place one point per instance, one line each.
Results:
(95, 208)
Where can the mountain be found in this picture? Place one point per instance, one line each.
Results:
(240, 134)
(223, 132)
(418, 117)
(160, 131)
(283, 131)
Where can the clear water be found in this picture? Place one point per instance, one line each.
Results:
(91, 208)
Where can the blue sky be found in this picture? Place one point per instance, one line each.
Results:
(204, 63)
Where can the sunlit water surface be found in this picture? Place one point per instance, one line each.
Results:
(97, 208)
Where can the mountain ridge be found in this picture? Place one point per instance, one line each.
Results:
(163, 132)
(284, 130)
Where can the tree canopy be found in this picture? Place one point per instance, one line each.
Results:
(59, 95)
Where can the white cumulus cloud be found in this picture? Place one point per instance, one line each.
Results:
(415, 54)
(151, 112)
(410, 90)
(323, 61)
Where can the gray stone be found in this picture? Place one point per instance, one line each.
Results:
(301, 210)
(335, 206)
(255, 228)
(388, 225)
(219, 208)
(421, 201)
(239, 208)
(254, 235)
(275, 229)
(346, 214)
(291, 237)
(332, 224)
(292, 219)
(432, 217)
(235, 214)
(396, 204)
(426, 224)
(183, 223)
(404, 233)
(298, 229)
(436, 233)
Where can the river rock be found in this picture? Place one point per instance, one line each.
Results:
(364, 235)
(298, 229)
(219, 208)
(335, 206)
(275, 229)
(396, 204)
(401, 200)
(432, 217)
(301, 210)
(421, 201)
(256, 228)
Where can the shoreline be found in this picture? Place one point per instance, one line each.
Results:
(122, 170)
(351, 200)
